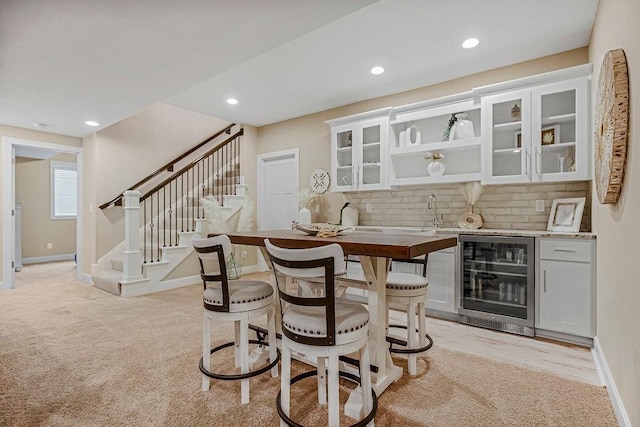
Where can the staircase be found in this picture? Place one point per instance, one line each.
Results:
(160, 223)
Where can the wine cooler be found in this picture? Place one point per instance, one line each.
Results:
(497, 282)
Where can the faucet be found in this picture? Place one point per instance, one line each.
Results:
(432, 203)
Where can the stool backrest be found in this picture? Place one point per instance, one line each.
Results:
(310, 263)
(209, 251)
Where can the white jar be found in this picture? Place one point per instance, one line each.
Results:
(436, 168)
(304, 216)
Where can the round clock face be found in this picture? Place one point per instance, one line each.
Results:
(611, 126)
(320, 181)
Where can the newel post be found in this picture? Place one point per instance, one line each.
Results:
(132, 266)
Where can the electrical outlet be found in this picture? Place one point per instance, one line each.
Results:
(539, 205)
(368, 207)
(243, 255)
(49, 245)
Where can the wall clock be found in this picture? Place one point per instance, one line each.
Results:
(611, 126)
(320, 181)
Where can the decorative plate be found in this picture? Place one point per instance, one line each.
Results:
(611, 127)
(314, 229)
(470, 220)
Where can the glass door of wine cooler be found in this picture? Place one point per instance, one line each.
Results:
(497, 282)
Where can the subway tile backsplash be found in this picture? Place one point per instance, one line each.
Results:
(501, 206)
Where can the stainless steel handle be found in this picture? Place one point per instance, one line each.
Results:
(544, 282)
(573, 251)
(358, 176)
(526, 161)
(538, 154)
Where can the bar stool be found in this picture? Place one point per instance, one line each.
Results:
(235, 301)
(322, 327)
(408, 291)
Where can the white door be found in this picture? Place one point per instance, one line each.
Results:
(278, 185)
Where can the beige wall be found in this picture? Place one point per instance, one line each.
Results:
(618, 293)
(33, 190)
(32, 135)
(122, 154)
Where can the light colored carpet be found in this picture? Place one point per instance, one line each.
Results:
(74, 355)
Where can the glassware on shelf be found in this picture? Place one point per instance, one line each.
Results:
(561, 157)
(462, 128)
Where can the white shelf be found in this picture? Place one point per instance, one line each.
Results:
(369, 165)
(507, 127)
(563, 118)
(457, 144)
(417, 180)
(344, 149)
(344, 167)
(558, 147)
(507, 151)
(370, 145)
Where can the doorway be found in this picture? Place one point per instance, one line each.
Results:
(9, 148)
(278, 186)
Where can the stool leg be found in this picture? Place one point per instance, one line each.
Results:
(334, 396)
(365, 377)
(273, 350)
(206, 349)
(244, 358)
(411, 335)
(322, 381)
(285, 381)
(236, 340)
(422, 324)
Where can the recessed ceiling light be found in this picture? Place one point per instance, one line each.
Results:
(40, 124)
(91, 123)
(232, 101)
(469, 43)
(377, 70)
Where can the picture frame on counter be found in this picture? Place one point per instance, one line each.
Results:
(566, 214)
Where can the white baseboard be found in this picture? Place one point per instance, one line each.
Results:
(607, 378)
(52, 258)
(86, 278)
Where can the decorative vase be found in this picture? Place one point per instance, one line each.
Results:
(413, 137)
(402, 139)
(462, 128)
(516, 113)
(304, 216)
(436, 167)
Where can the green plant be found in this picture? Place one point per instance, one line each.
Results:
(452, 120)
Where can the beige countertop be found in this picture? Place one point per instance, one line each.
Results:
(480, 231)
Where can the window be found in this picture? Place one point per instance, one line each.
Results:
(64, 190)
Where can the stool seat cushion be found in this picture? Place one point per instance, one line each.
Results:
(310, 321)
(406, 281)
(240, 292)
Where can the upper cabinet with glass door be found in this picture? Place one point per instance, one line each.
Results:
(539, 134)
(359, 151)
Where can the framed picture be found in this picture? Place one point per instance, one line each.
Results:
(550, 135)
(566, 214)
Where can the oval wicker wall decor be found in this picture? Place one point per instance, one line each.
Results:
(611, 127)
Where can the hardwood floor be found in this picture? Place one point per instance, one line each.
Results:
(565, 360)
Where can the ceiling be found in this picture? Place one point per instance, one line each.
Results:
(63, 62)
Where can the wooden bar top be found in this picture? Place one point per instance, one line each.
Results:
(389, 245)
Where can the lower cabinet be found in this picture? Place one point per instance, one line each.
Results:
(566, 287)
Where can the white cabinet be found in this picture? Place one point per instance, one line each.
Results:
(538, 134)
(441, 294)
(419, 130)
(566, 287)
(359, 152)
